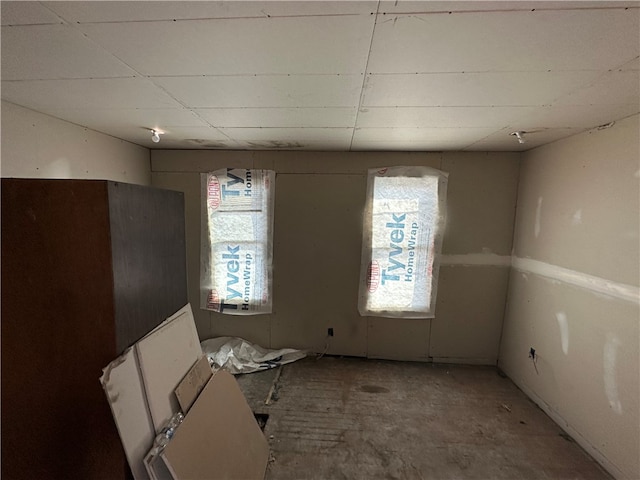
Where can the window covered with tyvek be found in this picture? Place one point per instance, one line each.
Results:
(404, 221)
(236, 247)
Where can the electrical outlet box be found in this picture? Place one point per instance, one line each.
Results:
(330, 331)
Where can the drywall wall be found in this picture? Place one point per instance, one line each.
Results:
(319, 200)
(35, 145)
(573, 293)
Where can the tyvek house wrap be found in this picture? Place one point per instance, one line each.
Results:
(403, 225)
(236, 243)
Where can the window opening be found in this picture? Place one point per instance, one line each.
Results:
(403, 224)
(237, 241)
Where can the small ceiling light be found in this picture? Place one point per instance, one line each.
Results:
(519, 135)
(155, 136)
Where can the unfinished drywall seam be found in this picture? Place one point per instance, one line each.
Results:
(507, 297)
(476, 260)
(602, 286)
(365, 77)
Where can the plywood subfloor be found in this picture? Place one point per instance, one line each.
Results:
(346, 418)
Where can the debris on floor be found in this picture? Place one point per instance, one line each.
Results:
(273, 391)
(343, 418)
(237, 355)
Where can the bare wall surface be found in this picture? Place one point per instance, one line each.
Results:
(573, 293)
(35, 145)
(320, 198)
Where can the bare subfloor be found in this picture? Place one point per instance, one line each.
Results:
(345, 418)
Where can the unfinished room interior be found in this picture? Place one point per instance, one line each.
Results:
(424, 215)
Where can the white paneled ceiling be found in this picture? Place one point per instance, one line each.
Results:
(333, 75)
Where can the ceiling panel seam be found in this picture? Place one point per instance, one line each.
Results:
(580, 88)
(73, 26)
(491, 72)
(214, 75)
(509, 10)
(219, 130)
(55, 14)
(52, 79)
(249, 17)
(364, 75)
(43, 24)
(620, 67)
(140, 75)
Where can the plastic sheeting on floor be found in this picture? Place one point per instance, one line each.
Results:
(237, 355)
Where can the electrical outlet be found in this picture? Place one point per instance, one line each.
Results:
(330, 331)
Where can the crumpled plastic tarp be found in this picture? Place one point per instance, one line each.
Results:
(237, 355)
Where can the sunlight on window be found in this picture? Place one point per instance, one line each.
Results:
(404, 219)
(236, 247)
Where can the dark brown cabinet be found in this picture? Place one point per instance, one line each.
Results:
(88, 267)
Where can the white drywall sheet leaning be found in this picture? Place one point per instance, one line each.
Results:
(165, 355)
(219, 437)
(140, 384)
(236, 241)
(402, 238)
(122, 383)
